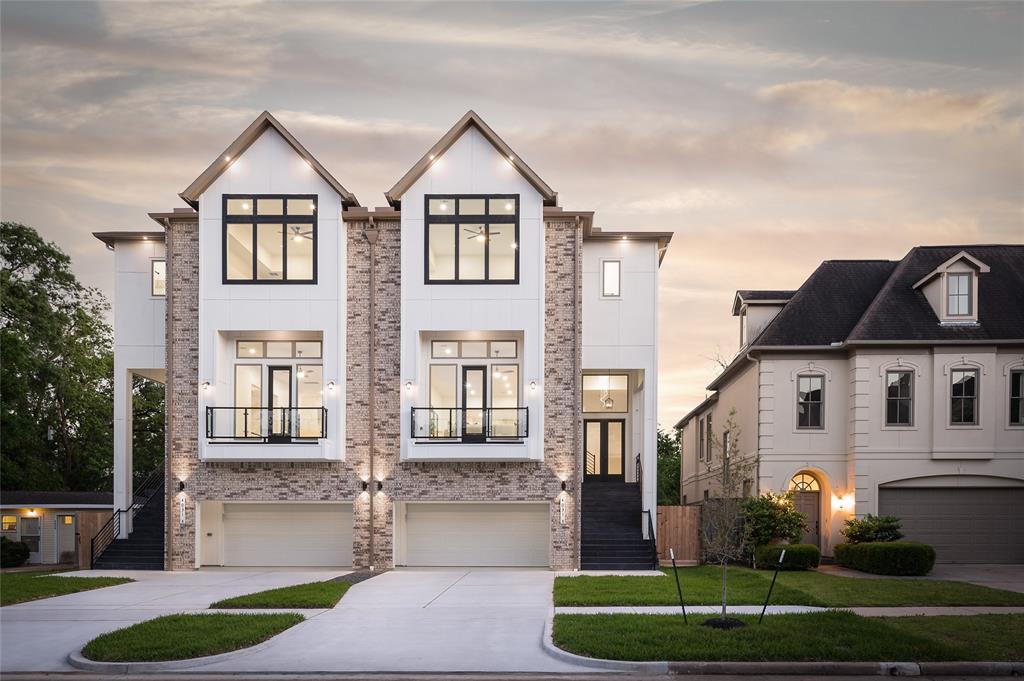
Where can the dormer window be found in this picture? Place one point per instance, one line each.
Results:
(959, 294)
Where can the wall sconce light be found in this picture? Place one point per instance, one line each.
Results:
(563, 485)
(408, 387)
(380, 485)
(331, 386)
(533, 385)
(206, 386)
(181, 485)
(366, 485)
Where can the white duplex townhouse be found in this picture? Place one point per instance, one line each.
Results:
(881, 387)
(467, 376)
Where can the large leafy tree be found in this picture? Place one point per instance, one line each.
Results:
(56, 370)
(668, 469)
(147, 426)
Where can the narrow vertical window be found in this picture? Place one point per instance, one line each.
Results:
(958, 294)
(700, 439)
(810, 401)
(899, 398)
(963, 397)
(158, 278)
(708, 433)
(611, 271)
(1017, 398)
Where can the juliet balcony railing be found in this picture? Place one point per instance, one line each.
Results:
(272, 425)
(466, 424)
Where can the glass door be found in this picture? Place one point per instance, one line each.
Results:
(280, 403)
(474, 397)
(604, 446)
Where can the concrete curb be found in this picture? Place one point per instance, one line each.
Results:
(79, 661)
(548, 644)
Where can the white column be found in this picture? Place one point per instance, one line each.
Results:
(123, 483)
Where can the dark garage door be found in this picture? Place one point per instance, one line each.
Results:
(964, 524)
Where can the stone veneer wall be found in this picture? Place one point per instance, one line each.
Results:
(452, 481)
(340, 481)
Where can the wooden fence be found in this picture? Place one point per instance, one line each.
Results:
(679, 529)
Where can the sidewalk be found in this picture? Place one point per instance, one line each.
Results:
(907, 611)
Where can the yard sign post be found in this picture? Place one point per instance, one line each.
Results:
(679, 589)
(778, 566)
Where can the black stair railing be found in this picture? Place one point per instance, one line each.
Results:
(142, 495)
(653, 541)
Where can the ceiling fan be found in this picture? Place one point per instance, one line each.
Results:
(297, 233)
(479, 234)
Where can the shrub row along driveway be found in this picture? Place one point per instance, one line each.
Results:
(702, 586)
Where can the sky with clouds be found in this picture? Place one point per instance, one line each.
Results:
(767, 136)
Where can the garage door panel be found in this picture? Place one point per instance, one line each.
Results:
(964, 524)
(287, 535)
(514, 535)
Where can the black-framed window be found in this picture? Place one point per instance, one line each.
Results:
(963, 407)
(270, 238)
(471, 239)
(158, 278)
(1017, 397)
(959, 297)
(810, 401)
(899, 398)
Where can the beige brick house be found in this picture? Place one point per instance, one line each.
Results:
(467, 376)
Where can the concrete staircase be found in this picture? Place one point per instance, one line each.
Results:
(143, 549)
(612, 522)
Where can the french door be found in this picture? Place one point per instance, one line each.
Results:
(604, 444)
(474, 399)
(279, 403)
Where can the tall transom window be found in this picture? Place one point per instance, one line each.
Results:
(471, 239)
(269, 239)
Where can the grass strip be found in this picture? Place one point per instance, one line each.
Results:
(182, 637)
(702, 586)
(311, 595)
(826, 636)
(20, 587)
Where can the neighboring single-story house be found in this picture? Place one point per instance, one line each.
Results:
(57, 526)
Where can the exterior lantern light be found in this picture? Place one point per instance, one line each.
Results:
(533, 385)
(331, 386)
(408, 387)
(206, 386)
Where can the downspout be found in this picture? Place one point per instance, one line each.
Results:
(371, 238)
(757, 417)
(577, 393)
(168, 397)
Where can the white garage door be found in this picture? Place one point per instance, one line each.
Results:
(288, 534)
(477, 534)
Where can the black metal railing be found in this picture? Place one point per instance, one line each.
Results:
(265, 424)
(639, 470)
(653, 541)
(111, 529)
(468, 424)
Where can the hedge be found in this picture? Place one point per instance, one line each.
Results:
(12, 553)
(887, 558)
(798, 556)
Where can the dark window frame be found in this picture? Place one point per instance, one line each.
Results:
(284, 220)
(909, 399)
(456, 219)
(1019, 398)
(976, 402)
(820, 403)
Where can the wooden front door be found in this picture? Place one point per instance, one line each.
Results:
(809, 503)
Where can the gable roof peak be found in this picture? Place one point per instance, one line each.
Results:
(252, 133)
(470, 119)
(949, 262)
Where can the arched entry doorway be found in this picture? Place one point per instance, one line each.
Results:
(807, 498)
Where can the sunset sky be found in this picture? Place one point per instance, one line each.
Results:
(767, 136)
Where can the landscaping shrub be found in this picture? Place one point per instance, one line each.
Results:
(798, 556)
(872, 528)
(772, 517)
(12, 553)
(887, 558)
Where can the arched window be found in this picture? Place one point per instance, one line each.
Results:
(804, 482)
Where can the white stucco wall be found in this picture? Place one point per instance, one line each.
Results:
(473, 166)
(271, 166)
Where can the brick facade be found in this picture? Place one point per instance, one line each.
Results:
(402, 481)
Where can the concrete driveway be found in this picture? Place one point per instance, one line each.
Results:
(37, 636)
(440, 620)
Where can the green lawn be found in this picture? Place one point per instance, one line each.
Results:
(180, 637)
(311, 595)
(838, 636)
(701, 586)
(18, 587)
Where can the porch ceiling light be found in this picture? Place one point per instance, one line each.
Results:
(608, 402)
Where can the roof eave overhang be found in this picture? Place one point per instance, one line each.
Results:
(470, 119)
(111, 238)
(252, 133)
(962, 255)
